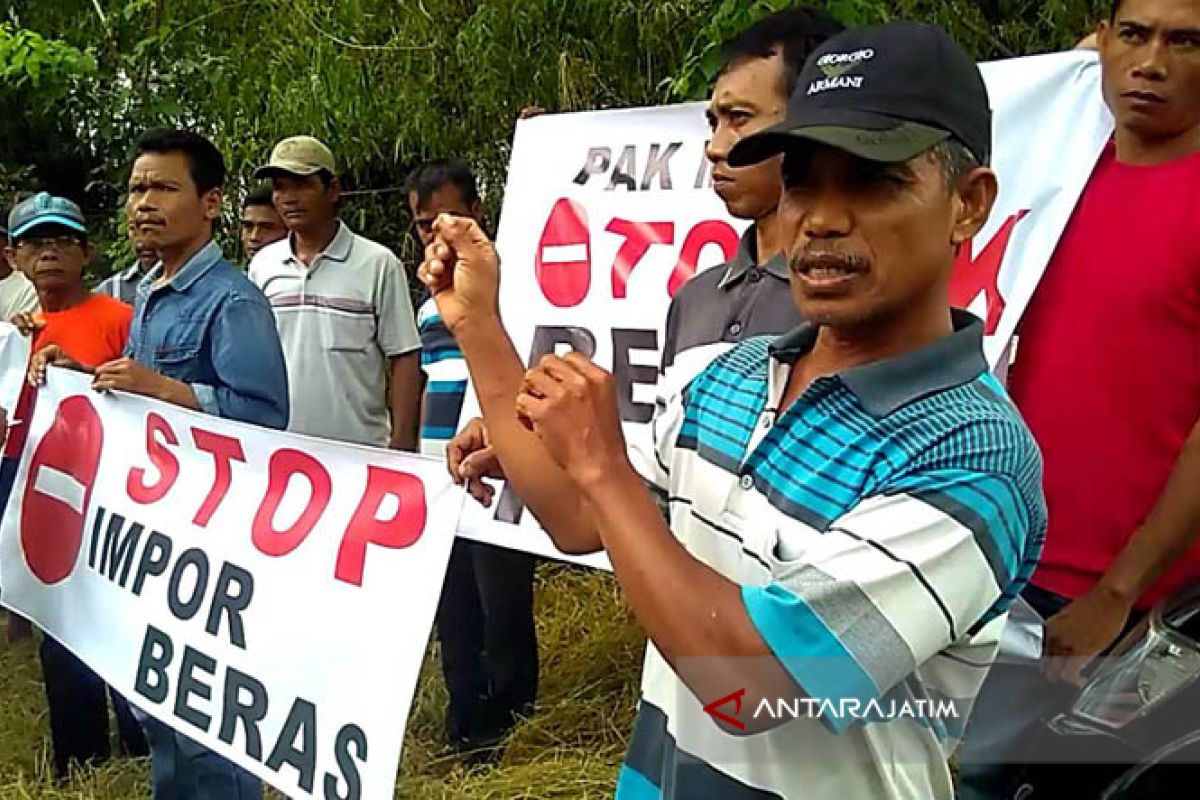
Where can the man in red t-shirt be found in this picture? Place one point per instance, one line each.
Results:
(1107, 372)
(48, 241)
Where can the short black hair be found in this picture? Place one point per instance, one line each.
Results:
(795, 33)
(433, 175)
(205, 162)
(258, 196)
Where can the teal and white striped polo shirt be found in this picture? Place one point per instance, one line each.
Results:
(445, 381)
(880, 528)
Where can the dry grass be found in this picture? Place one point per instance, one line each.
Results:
(591, 657)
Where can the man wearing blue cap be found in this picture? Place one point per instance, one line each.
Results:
(48, 240)
(854, 505)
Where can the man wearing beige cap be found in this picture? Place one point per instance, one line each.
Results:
(342, 309)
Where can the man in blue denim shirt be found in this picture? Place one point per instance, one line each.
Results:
(203, 337)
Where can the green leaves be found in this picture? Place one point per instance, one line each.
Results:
(386, 83)
(28, 59)
(988, 28)
(694, 78)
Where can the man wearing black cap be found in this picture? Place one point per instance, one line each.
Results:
(853, 505)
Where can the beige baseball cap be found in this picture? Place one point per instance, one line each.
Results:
(298, 155)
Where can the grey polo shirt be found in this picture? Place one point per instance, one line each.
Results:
(723, 306)
(339, 321)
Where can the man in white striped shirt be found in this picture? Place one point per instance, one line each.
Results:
(854, 505)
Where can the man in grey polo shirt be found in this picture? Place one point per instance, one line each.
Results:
(748, 296)
(342, 308)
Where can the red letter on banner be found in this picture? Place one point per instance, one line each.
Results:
(638, 238)
(402, 530)
(712, 231)
(163, 460)
(974, 275)
(224, 450)
(284, 464)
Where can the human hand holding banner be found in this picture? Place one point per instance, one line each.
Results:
(266, 594)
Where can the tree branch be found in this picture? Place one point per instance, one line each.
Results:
(353, 46)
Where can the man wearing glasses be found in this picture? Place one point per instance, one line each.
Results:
(48, 242)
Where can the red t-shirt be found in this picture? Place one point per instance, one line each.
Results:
(93, 332)
(1107, 373)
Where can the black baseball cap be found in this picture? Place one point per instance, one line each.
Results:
(884, 93)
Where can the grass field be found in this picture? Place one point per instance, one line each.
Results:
(571, 748)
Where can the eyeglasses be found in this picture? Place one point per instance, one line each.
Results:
(39, 243)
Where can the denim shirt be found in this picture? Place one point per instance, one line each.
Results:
(211, 328)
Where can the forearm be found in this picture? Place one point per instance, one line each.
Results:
(694, 615)
(178, 393)
(1171, 528)
(254, 408)
(405, 400)
(496, 375)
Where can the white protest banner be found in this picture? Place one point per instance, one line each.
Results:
(14, 350)
(268, 595)
(605, 213)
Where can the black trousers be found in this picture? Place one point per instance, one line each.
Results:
(489, 645)
(79, 712)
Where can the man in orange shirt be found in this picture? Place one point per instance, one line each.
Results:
(48, 241)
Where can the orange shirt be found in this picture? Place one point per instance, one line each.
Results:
(93, 332)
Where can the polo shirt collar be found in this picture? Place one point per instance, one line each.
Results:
(746, 259)
(884, 386)
(338, 248)
(193, 269)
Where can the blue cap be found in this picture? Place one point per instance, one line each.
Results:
(44, 209)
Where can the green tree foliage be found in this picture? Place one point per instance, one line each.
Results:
(387, 83)
(35, 72)
(988, 29)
